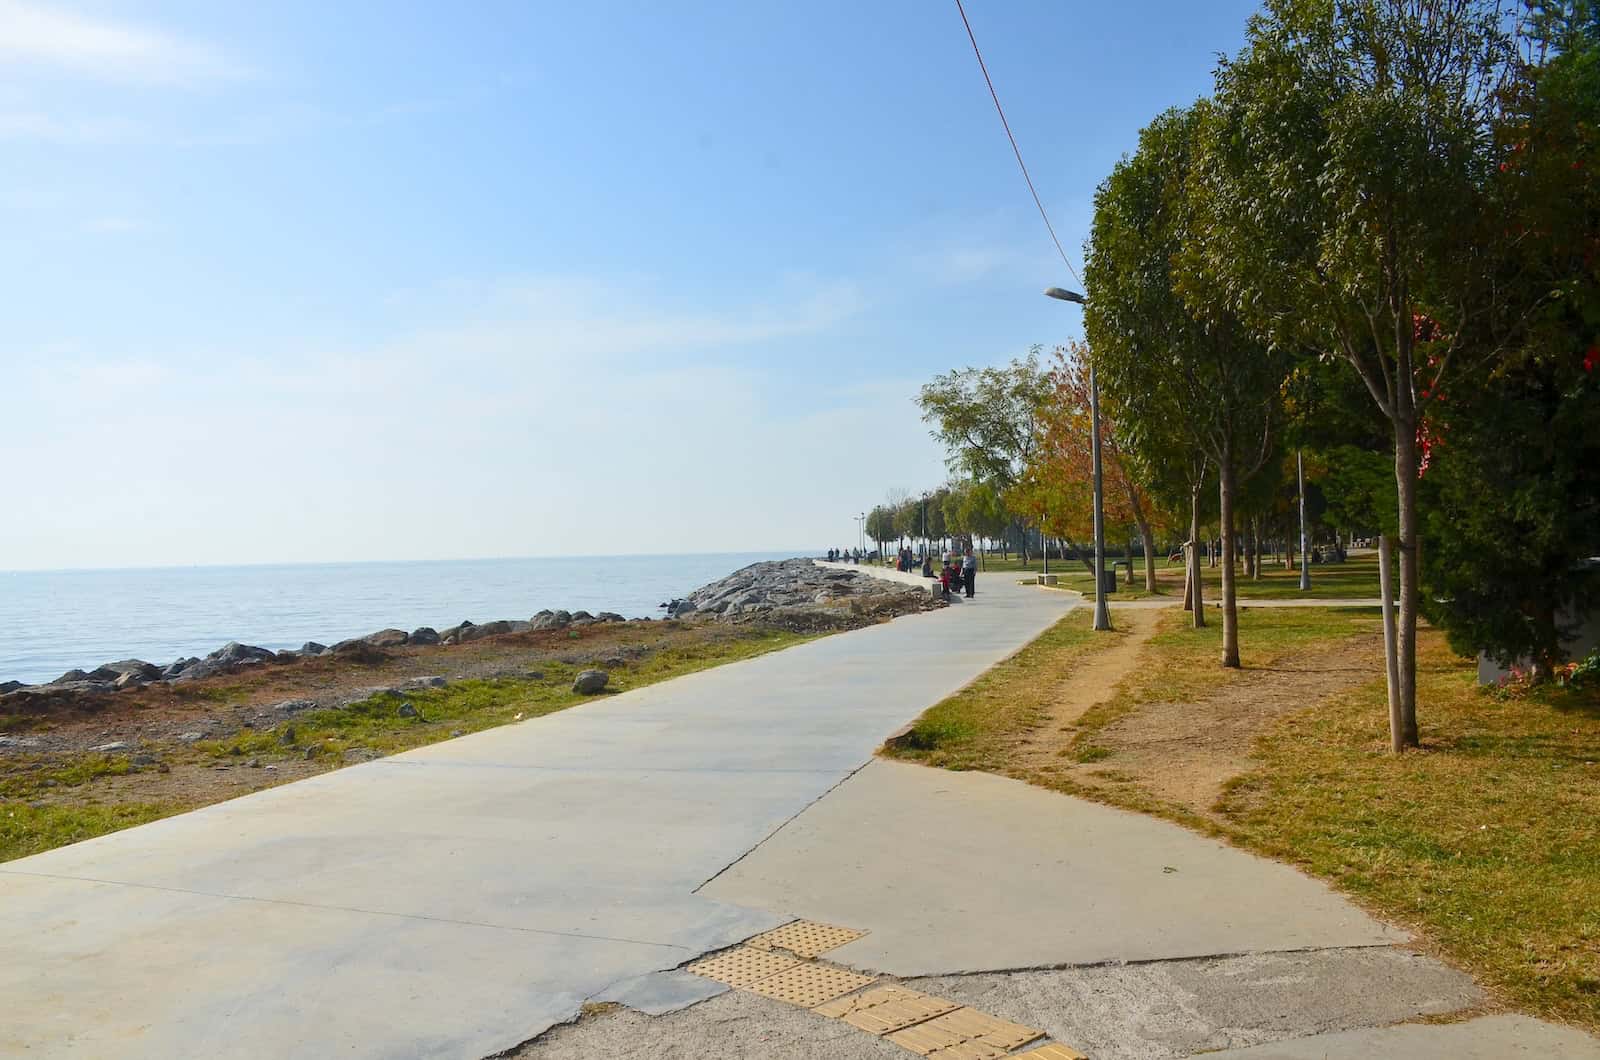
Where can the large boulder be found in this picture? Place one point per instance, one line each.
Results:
(11, 686)
(425, 635)
(311, 647)
(357, 649)
(234, 652)
(552, 620)
(488, 629)
(590, 682)
(387, 638)
(452, 635)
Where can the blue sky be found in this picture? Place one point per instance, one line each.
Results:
(311, 281)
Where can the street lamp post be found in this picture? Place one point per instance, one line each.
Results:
(861, 532)
(1102, 616)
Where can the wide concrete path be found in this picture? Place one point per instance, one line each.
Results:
(968, 872)
(456, 900)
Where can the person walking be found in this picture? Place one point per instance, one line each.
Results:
(969, 572)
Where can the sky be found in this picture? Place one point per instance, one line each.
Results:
(300, 282)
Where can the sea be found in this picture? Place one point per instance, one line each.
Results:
(54, 621)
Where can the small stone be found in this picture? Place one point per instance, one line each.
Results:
(190, 737)
(287, 736)
(311, 752)
(454, 733)
(143, 760)
(271, 768)
(407, 710)
(427, 682)
(590, 682)
(162, 767)
(534, 675)
(107, 748)
(255, 763)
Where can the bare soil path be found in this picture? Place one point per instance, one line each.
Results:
(1184, 752)
(1092, 683)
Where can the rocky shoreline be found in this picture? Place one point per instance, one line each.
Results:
(794, 594)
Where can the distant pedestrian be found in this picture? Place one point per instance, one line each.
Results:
(969, 572)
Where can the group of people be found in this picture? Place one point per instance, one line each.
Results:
(958, 572)
(844, 555)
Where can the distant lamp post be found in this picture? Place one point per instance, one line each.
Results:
(861, 532)
(1102, 616)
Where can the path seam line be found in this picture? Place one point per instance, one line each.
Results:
(341, 908)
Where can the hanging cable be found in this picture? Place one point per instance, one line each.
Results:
(1014, 148)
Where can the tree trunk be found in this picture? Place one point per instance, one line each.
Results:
(1255, 534)
(1305, 555)
(1230, 612)
(1148, 542)
(1391, 657)
(1405, 473)
(1196, 596)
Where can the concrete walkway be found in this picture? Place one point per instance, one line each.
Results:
(459, 899)
(968, 872)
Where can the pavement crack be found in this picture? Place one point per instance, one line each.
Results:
(1137, 962)
(785, 824)
(345, 909)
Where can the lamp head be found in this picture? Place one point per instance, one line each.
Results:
(1064, 295)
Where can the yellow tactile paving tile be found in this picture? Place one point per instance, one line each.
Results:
(1051, 1051)
(809, 985)
(965, 1034)
(742, 966)
(886, 1008)
(805, 938)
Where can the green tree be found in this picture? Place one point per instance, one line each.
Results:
(1346, 184)
(988, 419)
(880, 526)
(1513, 471)
(1183, 358)
(972, 508)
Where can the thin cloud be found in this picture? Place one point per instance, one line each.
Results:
(31, 34)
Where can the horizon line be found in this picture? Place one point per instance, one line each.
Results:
(360, 562)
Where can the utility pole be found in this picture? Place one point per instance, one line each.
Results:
(1102, 617)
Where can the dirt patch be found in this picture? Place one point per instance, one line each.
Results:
(1184, 752)
(1091, 683)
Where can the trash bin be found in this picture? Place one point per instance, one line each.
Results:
(1108, 581)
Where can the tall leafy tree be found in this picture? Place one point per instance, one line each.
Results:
(1513, 481)
(1172, 357)
(988, 420)
(1066, 448)
(1346, 181)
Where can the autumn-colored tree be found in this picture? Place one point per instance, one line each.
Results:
(1065, 454)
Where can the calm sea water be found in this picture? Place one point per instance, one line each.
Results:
(53, 621)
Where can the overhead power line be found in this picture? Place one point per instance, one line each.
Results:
(1014, 148)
